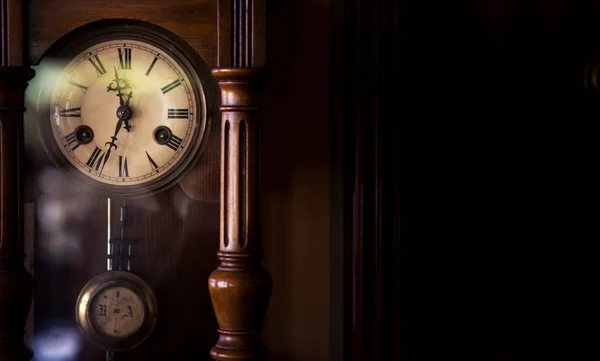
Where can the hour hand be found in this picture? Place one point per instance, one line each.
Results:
(126, 119)
(129, 96)
(123, 112)
(118, 86)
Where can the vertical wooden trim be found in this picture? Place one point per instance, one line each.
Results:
(258, 34)
(4, 19)
(12, 32)
(224, 15)
(243, 184)
(225, 175)
(242, 43)
(240, 288)
(241, 33)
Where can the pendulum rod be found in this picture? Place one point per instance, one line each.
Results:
(111, 257)
(115, 260)
(108, 243)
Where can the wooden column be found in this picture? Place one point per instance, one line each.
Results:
(15, 283)
(240, 288)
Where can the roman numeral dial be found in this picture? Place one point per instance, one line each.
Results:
(175, 142)
(83, 134)
(127, 114)
(125, 58)
(83, 88)
(172, 85)
(153, 164)
(123, 169)
(95, 160)
(178, 113)
(72, 141)
(97, 64)
(151, 66)
(72, 112)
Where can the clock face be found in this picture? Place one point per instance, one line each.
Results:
(117, 312)
(127, 114)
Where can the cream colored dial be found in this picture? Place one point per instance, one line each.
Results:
(124, 113)
(117, 312)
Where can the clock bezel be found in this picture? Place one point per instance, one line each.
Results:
(194, 67)
(97, 285)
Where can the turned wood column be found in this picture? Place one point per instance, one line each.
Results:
(240, 288)
(15, 282)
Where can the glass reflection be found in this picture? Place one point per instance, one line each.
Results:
(57, 344)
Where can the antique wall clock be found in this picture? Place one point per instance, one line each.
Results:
(134, 75)
(135, 161)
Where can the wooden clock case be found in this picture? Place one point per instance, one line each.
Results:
(178, 231)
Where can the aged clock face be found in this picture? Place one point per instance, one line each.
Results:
(123, 112)
(117, 312)
(127, 115)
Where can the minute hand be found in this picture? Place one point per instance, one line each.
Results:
(112, 144)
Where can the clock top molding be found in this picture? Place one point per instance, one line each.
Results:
(206, 25)
(195, 21)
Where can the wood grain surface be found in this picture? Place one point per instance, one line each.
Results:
(193, 20)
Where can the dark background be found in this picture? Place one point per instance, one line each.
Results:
(498, 150)
(477, 113)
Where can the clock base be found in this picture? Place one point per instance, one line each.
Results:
(246, 354)
(240, 290)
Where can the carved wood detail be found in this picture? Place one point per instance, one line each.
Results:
(240, 288)
(241, 33)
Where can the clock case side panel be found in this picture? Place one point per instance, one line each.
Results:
(82, 38)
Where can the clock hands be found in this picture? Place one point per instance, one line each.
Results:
(123, 114)
(121, 84)
(112, 144)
